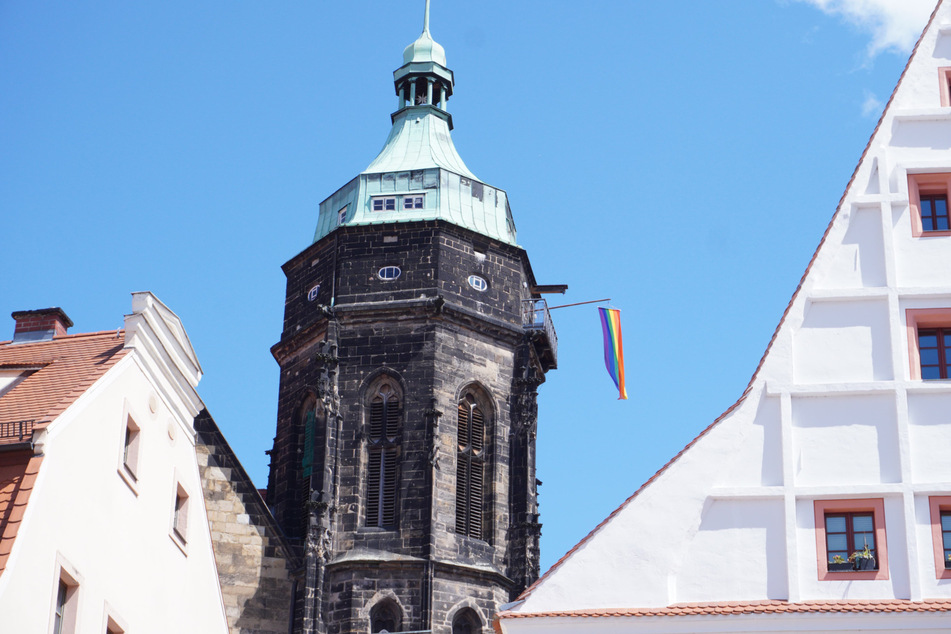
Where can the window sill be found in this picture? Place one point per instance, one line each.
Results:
(854, 575)
(129, 478)
(932, 234)
(181, 543)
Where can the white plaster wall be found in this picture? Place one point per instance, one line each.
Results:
(929, 417)
(757, 459)
(858, 261)
(843, 341)
(739, 550)
(845, 440)
(82, 511)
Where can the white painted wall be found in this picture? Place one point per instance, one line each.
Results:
(82, 513)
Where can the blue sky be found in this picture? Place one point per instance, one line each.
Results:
(682, 159)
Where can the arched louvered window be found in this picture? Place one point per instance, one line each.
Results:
(383, 454)
(471, 469)
(385, 616)
(466, 621)
(308, 417)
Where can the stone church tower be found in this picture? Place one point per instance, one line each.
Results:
(414, 340)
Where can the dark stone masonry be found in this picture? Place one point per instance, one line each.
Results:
(398, 522)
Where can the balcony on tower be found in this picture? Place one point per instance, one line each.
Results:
(536, 319)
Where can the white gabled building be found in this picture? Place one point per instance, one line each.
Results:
(841, 440)
(102, 517)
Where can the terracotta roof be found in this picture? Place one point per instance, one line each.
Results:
(62, 369)
(59, 372)
(772, 340)
(748, 607)
(17, 475)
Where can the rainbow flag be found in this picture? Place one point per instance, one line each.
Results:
(613, 350)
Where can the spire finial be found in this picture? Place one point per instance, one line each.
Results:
(426, 19)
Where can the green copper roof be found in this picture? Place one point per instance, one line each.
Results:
(419, 139)
(419, 175)
(424, 49)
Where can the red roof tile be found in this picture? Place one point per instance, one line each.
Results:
(748, 607)
(64, 368)
(18, 471)
(60, 371)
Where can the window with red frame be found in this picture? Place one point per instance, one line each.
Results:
(934, 212)
(934, 345)
(848, 533)
(946, 537)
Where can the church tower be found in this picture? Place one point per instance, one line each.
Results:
(414, 340)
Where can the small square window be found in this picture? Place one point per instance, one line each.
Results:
(180, 515)
(65, 607)
(850, 539)
(928, 200)
(944, 85)
(929, 343)
(940, 507)
(384, 203)
(130, 448)
(412, 202)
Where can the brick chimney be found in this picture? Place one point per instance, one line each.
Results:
(39, 325)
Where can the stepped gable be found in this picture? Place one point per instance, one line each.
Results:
(255, 564)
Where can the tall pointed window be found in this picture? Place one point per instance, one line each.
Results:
(383, 454)
(471, 469)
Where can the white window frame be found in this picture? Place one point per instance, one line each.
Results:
(387, 278)
(342, 215)
(382, 200)
(478, 282)
(413, 199)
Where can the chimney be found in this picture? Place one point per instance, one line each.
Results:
(39, 325)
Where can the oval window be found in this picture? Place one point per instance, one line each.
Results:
(389, 272)
(478, 283)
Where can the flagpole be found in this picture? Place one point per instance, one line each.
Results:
(593, 301)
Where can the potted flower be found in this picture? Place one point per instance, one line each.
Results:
(839, 564)
(947, 562)
(863, 559)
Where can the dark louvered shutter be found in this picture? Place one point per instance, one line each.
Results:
(373, 487)
(388, 485)
(470, 470)
(383, 457)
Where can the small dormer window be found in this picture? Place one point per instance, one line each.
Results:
(342, 215)
(384, 203)
(389, 272)
(412, 202)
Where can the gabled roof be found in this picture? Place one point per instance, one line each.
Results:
(764, 606)
(17, 475)
(55, 373)
(58, 372)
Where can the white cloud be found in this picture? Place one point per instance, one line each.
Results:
(894, 25)
(871, 106)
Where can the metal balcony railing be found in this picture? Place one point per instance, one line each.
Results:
(20, 430)
(535, 316)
